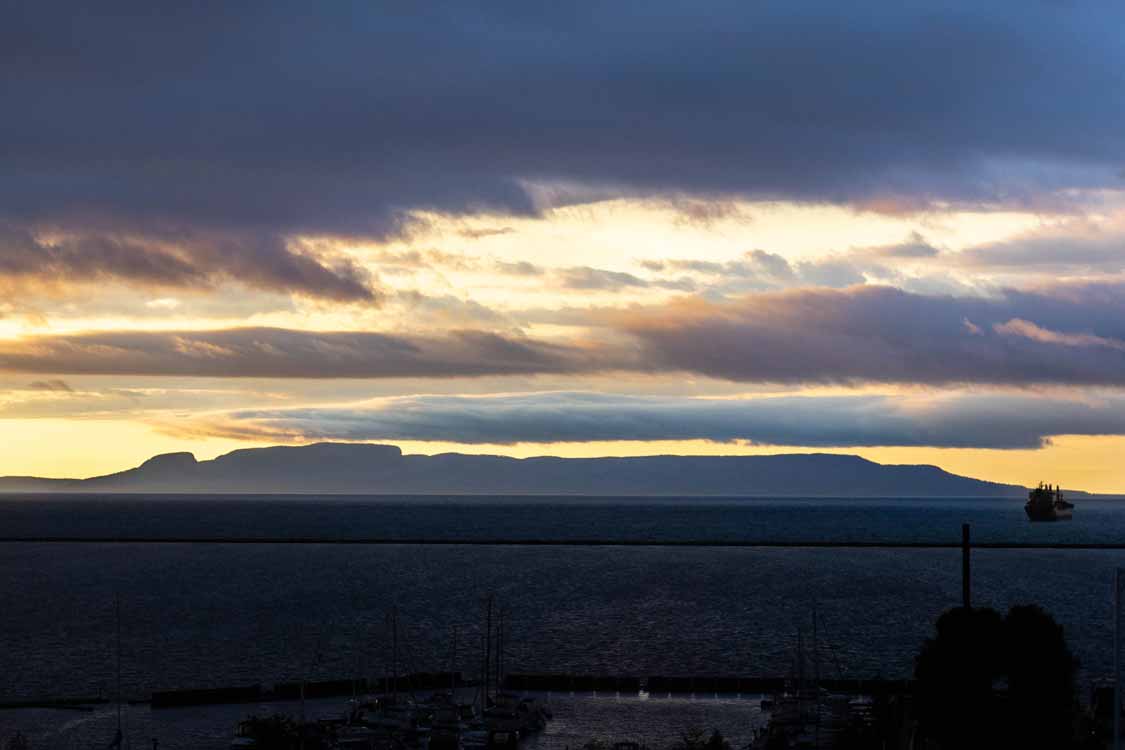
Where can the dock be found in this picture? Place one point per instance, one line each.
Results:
(529, 682)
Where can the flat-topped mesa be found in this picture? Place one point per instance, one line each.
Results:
(170, 462)
(364, 469)
(320, 454)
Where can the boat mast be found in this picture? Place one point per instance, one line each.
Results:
(800, 662)
(499, 649)
(453, 665)
(117, 609)
(394, 653)
(816, 650)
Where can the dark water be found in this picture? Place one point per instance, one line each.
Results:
(198, 615)
(654, 721)
(750, 519)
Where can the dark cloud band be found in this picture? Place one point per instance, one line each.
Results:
(345, 118)
(282, 353)
(1001, 421)
(185, 258)
(1069, 335)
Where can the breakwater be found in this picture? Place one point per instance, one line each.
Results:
(516, 682)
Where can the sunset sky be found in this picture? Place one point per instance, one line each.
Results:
(576, 229)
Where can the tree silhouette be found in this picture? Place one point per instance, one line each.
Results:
(984, 681)
(1041, 669)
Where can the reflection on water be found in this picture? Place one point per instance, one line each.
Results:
(199, 615)
(577, 719)
(210, 615)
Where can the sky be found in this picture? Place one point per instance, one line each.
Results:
(895, 229)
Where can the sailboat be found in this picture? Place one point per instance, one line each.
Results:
(804, 715)
(118, 736)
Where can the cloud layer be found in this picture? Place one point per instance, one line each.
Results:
(1070, 335)
(281, 353)
(189, 259)
(343, 119)
(1003, 421)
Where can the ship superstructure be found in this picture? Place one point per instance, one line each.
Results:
(1046, 503)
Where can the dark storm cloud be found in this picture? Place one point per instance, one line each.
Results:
(262, 261)
(961, 421)
(281, 353)
(281, 118)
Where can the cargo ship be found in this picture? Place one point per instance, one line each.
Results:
(1046, 503)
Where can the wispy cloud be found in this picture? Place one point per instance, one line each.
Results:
(1027, 329)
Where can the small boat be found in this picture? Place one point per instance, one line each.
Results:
(1046, 503)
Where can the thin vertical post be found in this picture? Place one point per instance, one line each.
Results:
(483, 669)
(394, 653)
(1117, 659)
(499, 650)
(816, 673)
(117, 614)
(453, 665)
(488, 650)
(966, 598)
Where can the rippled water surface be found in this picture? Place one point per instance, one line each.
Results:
(206, 614)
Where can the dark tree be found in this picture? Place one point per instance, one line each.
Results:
(984, 681)
(955, 703)
(1041, 669)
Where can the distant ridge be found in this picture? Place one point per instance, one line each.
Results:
(383, 469)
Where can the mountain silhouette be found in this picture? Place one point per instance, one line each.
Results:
(384, 469)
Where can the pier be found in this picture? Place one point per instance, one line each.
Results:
(531, 682)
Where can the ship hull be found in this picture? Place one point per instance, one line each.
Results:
(1046, 503)
(1051, 515)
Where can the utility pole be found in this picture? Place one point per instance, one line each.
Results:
(117, 611)
(966, 599)
(816, 672)
(487, 650)
(1117, 659)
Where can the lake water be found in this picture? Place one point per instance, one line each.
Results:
(199, 615)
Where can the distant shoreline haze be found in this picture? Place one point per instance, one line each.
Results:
(383, 469)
